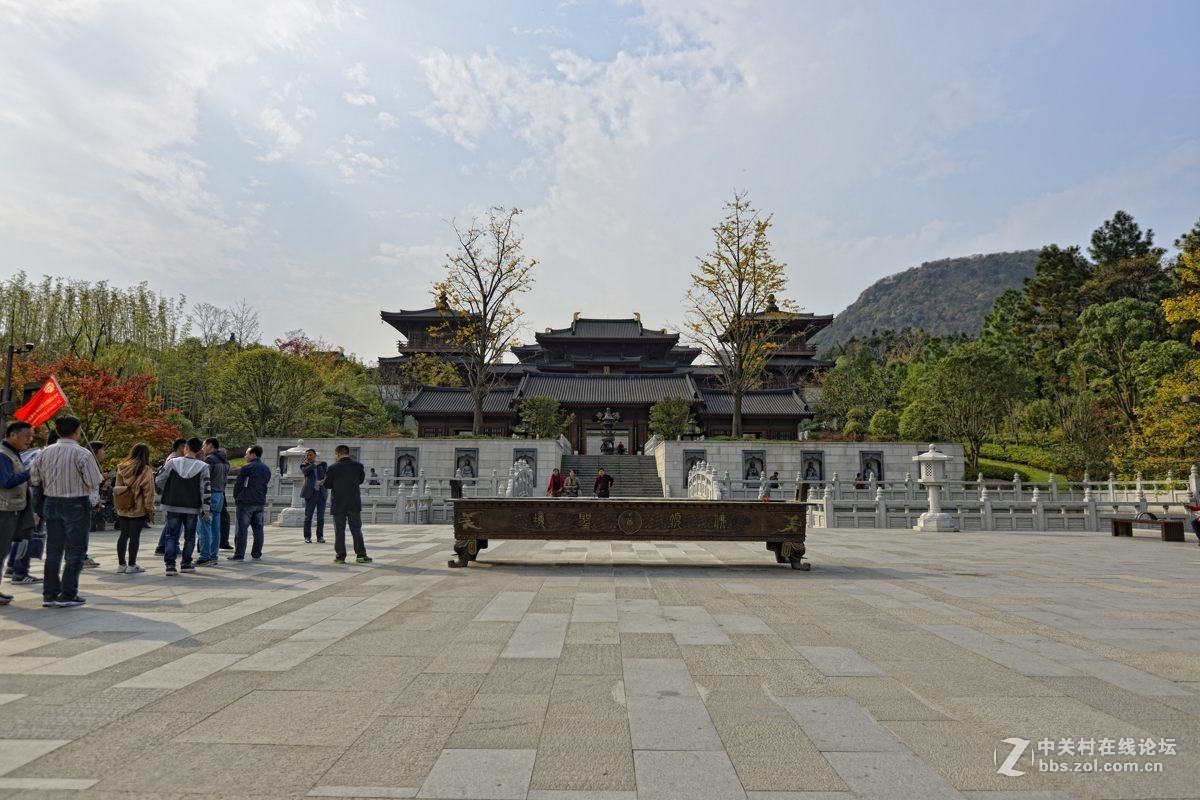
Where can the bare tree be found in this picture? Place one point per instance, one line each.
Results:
(243, 323)
(731, 308)
(477, 298)
(210, 322)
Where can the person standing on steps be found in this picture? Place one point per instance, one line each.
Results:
(603, 485)
(556, 485)
(133, 497)
(313, 493)
(68, 474)
(571, 484)
(343, 480)
(250, 495)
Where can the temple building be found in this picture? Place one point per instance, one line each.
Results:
(618, 365)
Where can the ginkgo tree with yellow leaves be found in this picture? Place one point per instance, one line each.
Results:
(732, 315)
(477, 299)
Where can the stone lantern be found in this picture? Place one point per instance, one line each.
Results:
(931, 471)
(293, 457)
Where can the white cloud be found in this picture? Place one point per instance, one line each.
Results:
(359, 98)
(387, 121)
(357, 75)
(286, 137)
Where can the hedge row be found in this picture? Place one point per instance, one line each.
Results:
(1025, 454)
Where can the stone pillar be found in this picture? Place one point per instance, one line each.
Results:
(1016, 487)
(988, 518)
(1194, 484)
(1142, 505)
(1053, 488)
(837, 487)
(908, 487)
(880, 509)
(828, 502)
(1091, 516)
(1039, 511)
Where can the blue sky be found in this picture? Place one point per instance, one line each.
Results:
(308, 156)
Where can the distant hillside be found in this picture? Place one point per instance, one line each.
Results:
(942, 297)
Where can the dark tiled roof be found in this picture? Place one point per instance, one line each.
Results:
(607, 389)
(458, 401)
(608, 329)
(759, 403)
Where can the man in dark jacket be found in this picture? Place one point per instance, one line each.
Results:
(16, 507)
(209, 530)
(250, 494)
(184, 484)
(313, 493)
(343, 480)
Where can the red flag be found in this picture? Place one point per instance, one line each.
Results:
(49, 400)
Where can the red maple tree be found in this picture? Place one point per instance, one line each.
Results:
(117, 411)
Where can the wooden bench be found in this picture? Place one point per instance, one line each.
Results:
(1170, 529)
(780, 526)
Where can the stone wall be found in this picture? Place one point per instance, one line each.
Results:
(789, 458)
(437, 458)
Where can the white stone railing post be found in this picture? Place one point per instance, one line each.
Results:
(908, 487)
(837, 487)
(1194, 484)
(1091, 516)
(1053, 488)
(1039, 511)
(1016, 487)
(880, 508)
(727, 484)
(1142, 505)
(828, 503)
(988, 519)
(1112, 487)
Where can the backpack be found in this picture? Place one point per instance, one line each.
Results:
(122, 496)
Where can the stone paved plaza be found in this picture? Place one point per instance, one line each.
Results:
(895, 669)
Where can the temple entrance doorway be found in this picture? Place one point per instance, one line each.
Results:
(595, 436)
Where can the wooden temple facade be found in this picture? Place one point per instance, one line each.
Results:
(619, 365)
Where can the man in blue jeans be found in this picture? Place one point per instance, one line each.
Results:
(250, 494)
(186, 496)
(209, 530)
(68, 474)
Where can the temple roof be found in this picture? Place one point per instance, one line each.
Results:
(602, 390)
(441, 400)
(607, 329)
(757, 403)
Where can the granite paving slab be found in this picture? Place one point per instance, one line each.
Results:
(609, 671)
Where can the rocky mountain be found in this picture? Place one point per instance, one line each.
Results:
(943, 297)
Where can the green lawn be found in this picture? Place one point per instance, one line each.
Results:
(1038, 475)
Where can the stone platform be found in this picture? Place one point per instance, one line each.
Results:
(611, 671)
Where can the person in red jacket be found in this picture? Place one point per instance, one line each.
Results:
(555, 487)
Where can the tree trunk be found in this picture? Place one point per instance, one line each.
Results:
(737, 415)
(477, 421)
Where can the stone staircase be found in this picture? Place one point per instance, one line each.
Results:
(635, 476)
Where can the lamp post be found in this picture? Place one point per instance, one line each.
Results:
(6, 392)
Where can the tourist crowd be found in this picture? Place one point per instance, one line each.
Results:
(52, 498)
